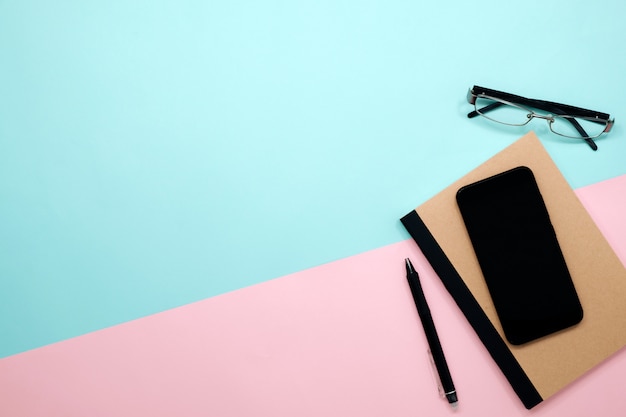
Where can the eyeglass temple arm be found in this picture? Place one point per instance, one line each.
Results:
(485, 109)
(474, 92)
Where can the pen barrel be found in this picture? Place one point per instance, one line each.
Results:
(431, 333)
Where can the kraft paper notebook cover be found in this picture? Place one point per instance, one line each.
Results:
(539, 369)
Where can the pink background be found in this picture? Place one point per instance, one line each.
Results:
(341, 339)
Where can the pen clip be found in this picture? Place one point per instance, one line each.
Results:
(435, 374)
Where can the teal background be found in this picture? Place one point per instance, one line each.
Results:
(155, 153)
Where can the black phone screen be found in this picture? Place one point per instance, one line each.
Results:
(519, 255)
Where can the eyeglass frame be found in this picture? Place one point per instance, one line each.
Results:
(555, 110)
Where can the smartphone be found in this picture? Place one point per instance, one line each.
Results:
(519, 255)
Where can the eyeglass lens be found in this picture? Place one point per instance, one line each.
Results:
(514, 115)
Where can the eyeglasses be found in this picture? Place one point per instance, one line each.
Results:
(567, 121)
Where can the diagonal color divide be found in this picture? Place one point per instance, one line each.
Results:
(339, 339)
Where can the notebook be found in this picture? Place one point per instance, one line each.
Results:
(539, 369)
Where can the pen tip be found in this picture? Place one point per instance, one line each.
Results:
(409, 265)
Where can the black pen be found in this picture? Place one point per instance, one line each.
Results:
(431, 334)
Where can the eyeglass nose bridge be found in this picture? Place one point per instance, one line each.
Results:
(548, 117)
